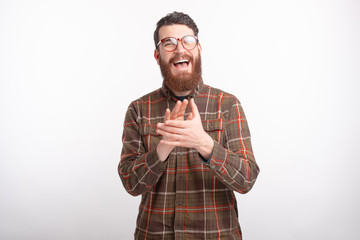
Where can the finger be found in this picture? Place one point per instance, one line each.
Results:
(181, 112)
(169, 136)
(177, 124)
(169, 129)
(194, 109)
(167, 114)
(173, 143)
(175, 110)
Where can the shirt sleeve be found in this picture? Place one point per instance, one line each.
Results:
(139, 170)
(233, 162)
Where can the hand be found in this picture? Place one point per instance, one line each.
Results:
(177, 114)
(189, 133)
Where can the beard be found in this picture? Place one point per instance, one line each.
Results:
(184, 81)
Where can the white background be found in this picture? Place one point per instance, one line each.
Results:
(69, 69)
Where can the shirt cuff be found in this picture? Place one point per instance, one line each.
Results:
(154, 164)
(218, 157)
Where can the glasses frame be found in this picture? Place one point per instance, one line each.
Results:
(177, 42)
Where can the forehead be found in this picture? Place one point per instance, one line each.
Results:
(175, 30)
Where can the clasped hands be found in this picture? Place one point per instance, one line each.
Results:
(177, 131)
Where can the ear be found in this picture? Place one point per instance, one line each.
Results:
(157, 56)
(200, 49)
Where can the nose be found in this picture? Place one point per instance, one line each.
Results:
(180, 48)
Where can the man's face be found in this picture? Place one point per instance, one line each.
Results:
(180, 77)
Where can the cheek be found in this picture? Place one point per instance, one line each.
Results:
(196, 55)
(164, 57)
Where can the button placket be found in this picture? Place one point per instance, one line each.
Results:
(180, 188)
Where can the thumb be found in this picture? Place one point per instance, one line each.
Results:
(190, 116)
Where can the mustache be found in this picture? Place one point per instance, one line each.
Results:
(181, 56)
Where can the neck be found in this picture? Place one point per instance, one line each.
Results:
(181, 94)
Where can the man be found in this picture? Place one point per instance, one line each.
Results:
(186, 146)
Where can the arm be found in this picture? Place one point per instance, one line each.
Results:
(140, 170)
(234, 163)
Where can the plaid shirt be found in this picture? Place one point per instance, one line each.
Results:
(186, 197)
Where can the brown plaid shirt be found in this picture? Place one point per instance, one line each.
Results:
(186, 197)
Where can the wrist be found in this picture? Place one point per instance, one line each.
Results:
(163, 151)
(206, 149)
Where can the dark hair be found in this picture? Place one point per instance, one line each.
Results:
(175, 18)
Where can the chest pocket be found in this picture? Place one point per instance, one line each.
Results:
(215, 128)
(149, 136)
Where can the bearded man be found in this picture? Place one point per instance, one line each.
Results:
(186, 146)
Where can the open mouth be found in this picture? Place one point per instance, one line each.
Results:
(181, 63)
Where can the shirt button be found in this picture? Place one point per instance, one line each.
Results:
(180, 154)
(153, 130)
(212, 166)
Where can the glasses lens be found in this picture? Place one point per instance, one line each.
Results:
(170, 44)
(189, 42)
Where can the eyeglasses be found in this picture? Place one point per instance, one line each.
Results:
(189, 42)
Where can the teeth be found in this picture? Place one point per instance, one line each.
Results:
(181, 61)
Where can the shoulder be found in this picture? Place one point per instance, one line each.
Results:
(225, 97)
(150, 105)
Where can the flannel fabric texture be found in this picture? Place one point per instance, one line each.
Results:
(185, 197)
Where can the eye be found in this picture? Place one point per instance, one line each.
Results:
(170, 42)
(189, 39)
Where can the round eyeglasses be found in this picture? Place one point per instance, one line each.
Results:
(189, 42)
